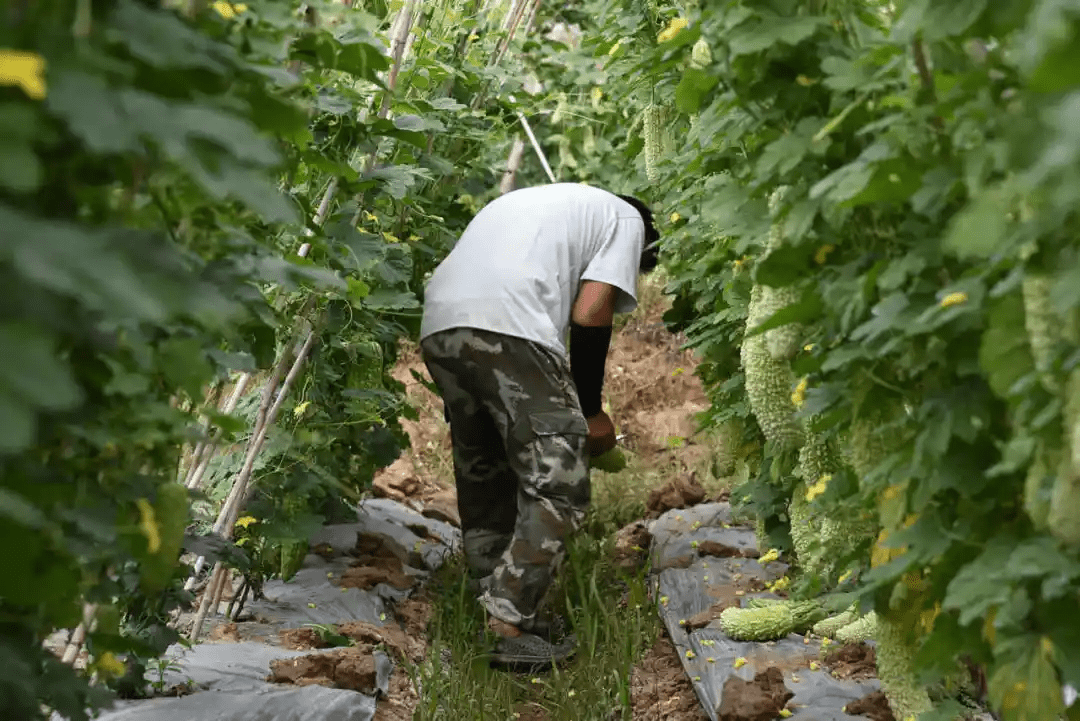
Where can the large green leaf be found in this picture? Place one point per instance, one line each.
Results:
(1004, 354)
(753, 37)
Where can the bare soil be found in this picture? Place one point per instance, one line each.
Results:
(759, 700)
(660, 690)
(873, 706)
(854, 661)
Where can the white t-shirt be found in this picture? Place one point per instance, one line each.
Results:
(519, 264)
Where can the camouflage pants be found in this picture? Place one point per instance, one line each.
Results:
(520, 461)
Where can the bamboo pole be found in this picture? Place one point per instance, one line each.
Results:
(78, 636)
(536, 146)
(513, 164)
(239, 492)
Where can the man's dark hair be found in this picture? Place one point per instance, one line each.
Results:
(650, 253)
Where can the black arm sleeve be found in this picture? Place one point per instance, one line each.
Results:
(588, 354)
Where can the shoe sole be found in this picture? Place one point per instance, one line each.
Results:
(527, 664)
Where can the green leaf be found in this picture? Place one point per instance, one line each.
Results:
(977, 587)
(20, 170)
(1004, 354)
(784, 265)
(1026, 687)
(15, 507)
(894, 180)
(981, 228)
(185, 364)
(388, 299)
(163, 40)
(785, 153)
(937, 19)
(692, 87)
(18, 423)
(754, 37)
(33, 370)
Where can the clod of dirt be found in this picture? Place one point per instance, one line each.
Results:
(396, 483)
(364, 577)
(854, 661)
(759, 700)
(703, 619)
(874, 706)
(375, 563)
(632, 546)
(413, 614)
(443, 507)
(679, 492)
(225, 632)
(348, 668)
(722, 550)
(301, 639)
(390, 635)
(660, 690)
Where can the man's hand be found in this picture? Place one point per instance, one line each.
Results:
(601, 437)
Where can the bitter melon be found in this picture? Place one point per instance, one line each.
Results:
(829, 626)
(769, 623)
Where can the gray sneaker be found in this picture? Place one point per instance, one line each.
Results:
(528, 652)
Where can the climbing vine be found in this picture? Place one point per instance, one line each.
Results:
(218, 218)
(929, 294)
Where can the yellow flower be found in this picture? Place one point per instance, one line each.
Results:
(148, 525)
(798, 397)
(844, 577)
(953, 299)
(229, 10)
(300, 408)
(769, 556)
(675, 217)
(690, 654)
(823, 253)
(109, 666)
(739, 662)
(808, 347)
(818, 488)
(246, 521)
(673, 29)
(26, 70)
(785, 713)
(814, 666)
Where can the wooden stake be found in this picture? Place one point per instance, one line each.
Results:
(78, 637)
(239, 493)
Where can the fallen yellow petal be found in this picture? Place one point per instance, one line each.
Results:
(954, 299)
(229, 10)
(25, 70)
(818, 488)
(798, 397)
(674, 28)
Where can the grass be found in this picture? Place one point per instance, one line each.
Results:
(609, 611)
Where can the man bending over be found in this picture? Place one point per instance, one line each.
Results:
(515, 334)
